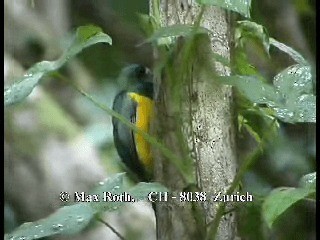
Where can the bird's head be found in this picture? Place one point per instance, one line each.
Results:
(134, 74)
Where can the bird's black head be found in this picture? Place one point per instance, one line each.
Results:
(133, 74)
(139, 72)
(136, 78)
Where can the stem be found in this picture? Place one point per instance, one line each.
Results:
(111, 228)
(213, 226)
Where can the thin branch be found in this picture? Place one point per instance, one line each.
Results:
(213, 226)
(111, 228)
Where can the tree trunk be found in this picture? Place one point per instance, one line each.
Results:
(208, 130)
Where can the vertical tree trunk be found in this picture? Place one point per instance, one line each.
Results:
(209, 132)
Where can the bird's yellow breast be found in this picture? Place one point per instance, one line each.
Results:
(144, 115)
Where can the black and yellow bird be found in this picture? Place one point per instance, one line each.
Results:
(135, 103)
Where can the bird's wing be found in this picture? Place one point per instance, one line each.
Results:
(123, 136)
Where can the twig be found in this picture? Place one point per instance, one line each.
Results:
(111, 228)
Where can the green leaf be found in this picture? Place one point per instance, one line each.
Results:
(176, 31)
(294, 81)
(309, 181)
(72, 219)
(250, 30)
(291, 52)
(242, 65)
(295, 86)
(84, 37)
(138, 192)
(304, 110)
(86, 32)
(242, 122)
(22, 88)
(255, 90)
(112, 185)
(279, 200)
(141, 190)
(147, 24)
(67, 220)
(241, 6)
(258, 122)
(290, 98)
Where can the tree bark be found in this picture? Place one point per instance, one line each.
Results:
(208, 130)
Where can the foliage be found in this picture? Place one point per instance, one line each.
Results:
(84, 37)
(280, 199)
(290, 98)
(74, 218)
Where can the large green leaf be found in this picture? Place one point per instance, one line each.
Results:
(295, 86)
(291, 52)
(114, 189)
(250, 30)
(280, 199)
(72, 219)
(240, 6)
(291, 98)
(66, 220)
(294, 81)
(85, 36)
(255, 90)
(309, 181)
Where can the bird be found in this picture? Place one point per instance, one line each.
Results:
(135, 103)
